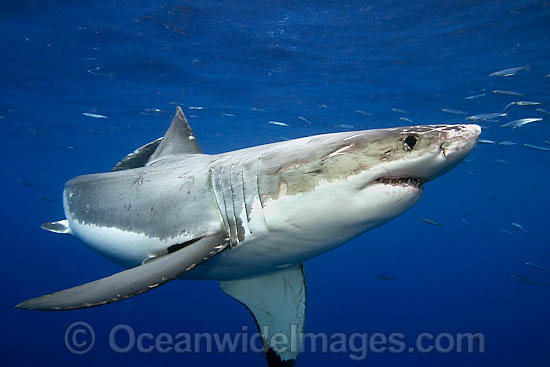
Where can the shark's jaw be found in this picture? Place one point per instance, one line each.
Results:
(401, 181)
(409, 182)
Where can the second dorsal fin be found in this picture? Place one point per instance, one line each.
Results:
(179, 139)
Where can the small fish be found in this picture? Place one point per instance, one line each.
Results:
(323, 106)
(502, 161)
(521, 103)
(45, 198)
(507, 143)
(536, 147)
(506, 92)
(400, 110)
(68, 147)
(535, 266)
(256, 109)
(475, 96)
(485, 141)
(95, 71)
(278, 123)
(25, 182)
(152, 110)
(406, 120)
(486, 116)
(509, 72)
(528, 103)
(542, 110)
(523, 279)
(94, 115)
(196, 108)
(228, 114)
(516, 124)
(508, 106)
(454, 112)
(465, 222)
(429, 221)
(518, 226)
(470, 173)
(304, 120)
(386, 277)
(345, 126)
(363, 113)
(505, 231)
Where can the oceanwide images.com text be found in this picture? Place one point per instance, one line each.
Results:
(80, 338)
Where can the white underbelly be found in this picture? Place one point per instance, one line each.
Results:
(125, 248)
(259, 255)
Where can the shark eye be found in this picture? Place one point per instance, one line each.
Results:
(409, 142)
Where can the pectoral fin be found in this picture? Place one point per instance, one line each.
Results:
(278, 303)
(133, 281)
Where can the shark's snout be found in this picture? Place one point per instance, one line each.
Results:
(459, 142)
(463, 136)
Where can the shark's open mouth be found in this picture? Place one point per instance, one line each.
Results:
(401, 181)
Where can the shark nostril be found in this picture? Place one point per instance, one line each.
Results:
(409, 142)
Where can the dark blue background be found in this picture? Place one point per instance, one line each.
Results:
(321, 60)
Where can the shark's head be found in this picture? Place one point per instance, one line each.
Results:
(398, 159)
(352, 182)
(396, 163)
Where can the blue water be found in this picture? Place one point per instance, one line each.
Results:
(263, 61)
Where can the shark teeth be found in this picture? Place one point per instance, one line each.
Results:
(401, 181)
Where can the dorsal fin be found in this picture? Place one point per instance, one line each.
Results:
(179, 139)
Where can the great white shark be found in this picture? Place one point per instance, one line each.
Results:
(248, 218)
